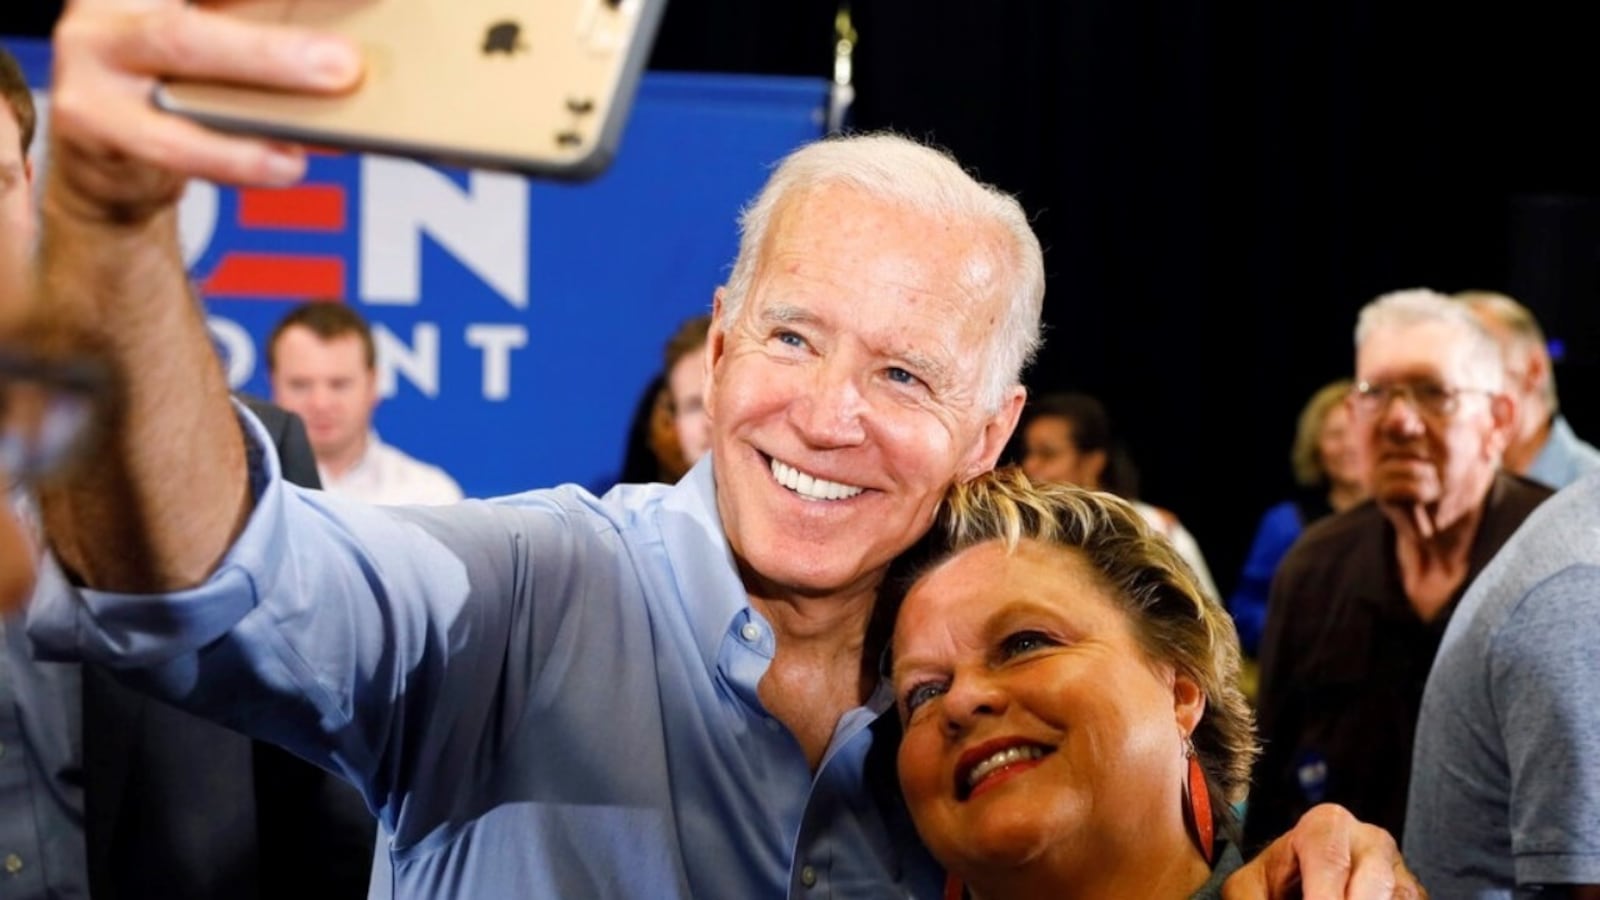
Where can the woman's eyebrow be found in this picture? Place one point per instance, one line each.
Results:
(902, 665)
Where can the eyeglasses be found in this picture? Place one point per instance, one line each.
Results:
(1429, 398)
(47, 409)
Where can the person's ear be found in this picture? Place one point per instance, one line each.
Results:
(1093, 465)
(1188, 702)
(996, 432)
(716, 346)
(1536, 372)
(1503, 413)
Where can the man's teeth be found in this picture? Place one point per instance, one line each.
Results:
(1004, 758)
(809, 487)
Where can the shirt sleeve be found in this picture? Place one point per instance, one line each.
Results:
(1545, 684)
(377, 642)
(1277, 530)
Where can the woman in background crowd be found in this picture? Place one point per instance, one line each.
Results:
(1067, 438)
(1329, 478)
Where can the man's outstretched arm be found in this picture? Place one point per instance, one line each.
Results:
(168, 492)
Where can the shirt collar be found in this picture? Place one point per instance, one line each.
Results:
(706, 574)
(369, 455)
(704, 570)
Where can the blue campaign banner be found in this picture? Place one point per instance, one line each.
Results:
(518, 320)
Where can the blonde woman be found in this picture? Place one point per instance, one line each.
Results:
(1025, 773)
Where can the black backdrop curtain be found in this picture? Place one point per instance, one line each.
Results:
(1220, 186)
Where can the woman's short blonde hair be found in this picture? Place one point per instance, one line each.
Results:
(1306, 455)
(1175, 621)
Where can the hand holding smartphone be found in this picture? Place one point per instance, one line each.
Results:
(540, 87)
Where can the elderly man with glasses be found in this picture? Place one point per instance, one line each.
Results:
(1361, 601)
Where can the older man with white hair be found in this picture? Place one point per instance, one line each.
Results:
(1543, 444)
(1361, 600)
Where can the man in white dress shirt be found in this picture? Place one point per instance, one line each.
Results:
(323, 366)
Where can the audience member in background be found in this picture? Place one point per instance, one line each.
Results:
(1067, 438)
(1505, 795)
(668, 692)
(17, 227)
(45, 409)
(670, 430)
(49, 404)
(1328, 478)
(18, 223)
(685, 364)
(651, 453)
(323, 366)
(1362, 598)
(1023, 774)
(105, 793)
(1543, 445)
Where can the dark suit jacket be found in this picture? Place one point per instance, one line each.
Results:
(177, 807)
(288, 433)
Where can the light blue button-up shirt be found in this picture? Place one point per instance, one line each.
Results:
(544, 695)
(1565, 457)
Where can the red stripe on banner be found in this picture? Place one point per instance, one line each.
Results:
(271, 276)
(309, 207)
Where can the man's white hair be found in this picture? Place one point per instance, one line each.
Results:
(925, 180)
(1421, 306)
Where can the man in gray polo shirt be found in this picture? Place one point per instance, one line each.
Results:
(1505, 787)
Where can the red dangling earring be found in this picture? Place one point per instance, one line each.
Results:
(953, 888)
(1197, 803)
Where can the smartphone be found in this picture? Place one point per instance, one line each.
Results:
(539, 87)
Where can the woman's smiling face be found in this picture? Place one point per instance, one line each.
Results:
(1035, 723)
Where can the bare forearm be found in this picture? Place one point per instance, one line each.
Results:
(167, 491)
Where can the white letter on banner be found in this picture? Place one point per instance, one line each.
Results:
(419, 362)
(497, 342)
(197, 220)
(485, 227)
(237, 350)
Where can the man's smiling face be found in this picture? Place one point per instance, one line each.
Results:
(846, 394)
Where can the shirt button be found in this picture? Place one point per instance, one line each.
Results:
(808, 876)
(751, 632)
(13, 864)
